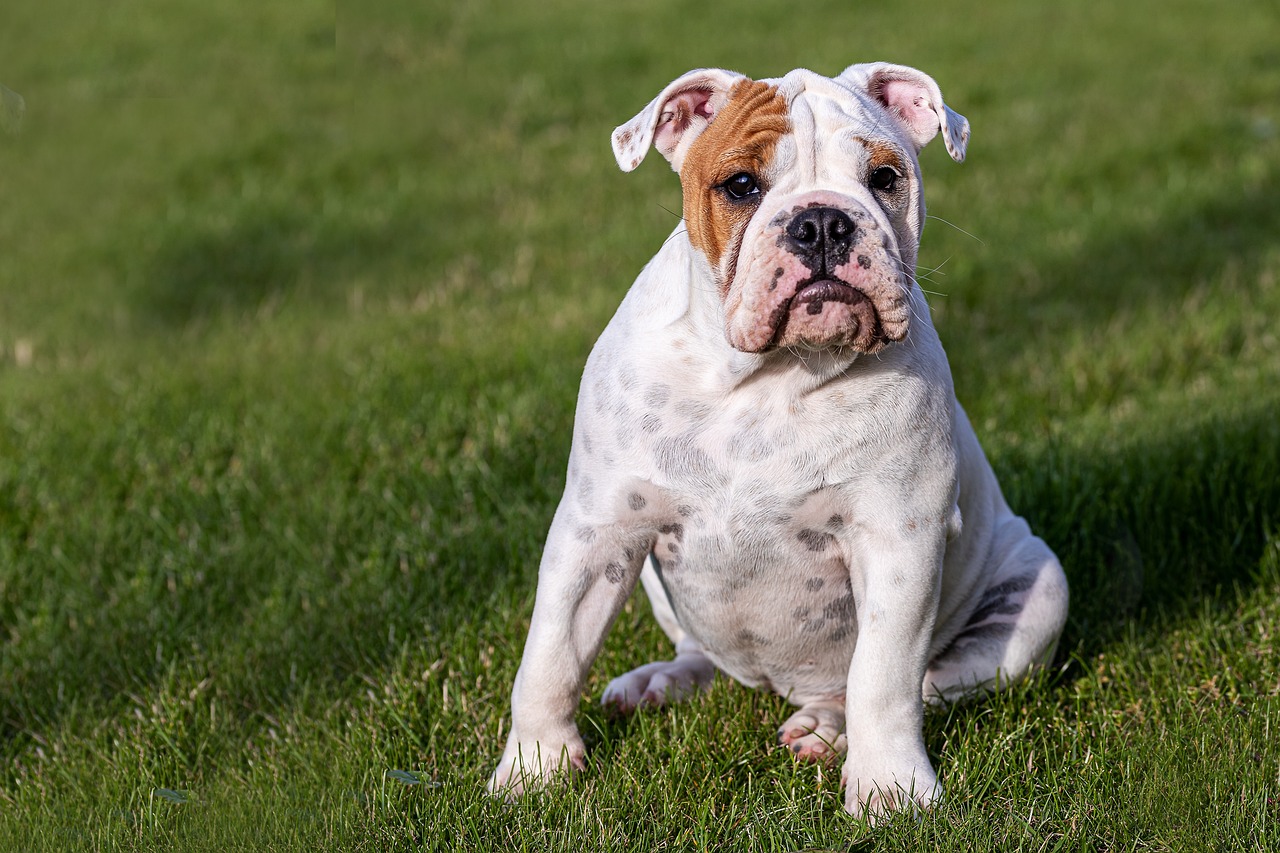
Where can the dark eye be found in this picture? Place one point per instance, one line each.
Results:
(741, 185)
(884, 179)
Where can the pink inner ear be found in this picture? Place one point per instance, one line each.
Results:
(910, 101)
(678, 114)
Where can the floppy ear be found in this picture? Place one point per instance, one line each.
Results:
(915, 101)
(675, 118)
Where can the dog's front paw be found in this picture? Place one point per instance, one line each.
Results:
(528, 766)
(878, 795)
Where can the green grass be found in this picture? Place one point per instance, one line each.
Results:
(293, 305)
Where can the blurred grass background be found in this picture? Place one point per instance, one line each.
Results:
(293, 304)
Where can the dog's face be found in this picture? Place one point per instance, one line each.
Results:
(803, 194)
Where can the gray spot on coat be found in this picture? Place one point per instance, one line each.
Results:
(841, 609)
(750, 446)
(681, 457)
(993, 633)
(997, 600)
(1018, 584)
(656, 396)
(674, 530)
(693, 410)
(815, 540)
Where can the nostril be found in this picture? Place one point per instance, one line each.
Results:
(819, 226)
(839, 227)
(804, 229)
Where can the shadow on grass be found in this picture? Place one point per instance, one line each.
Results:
(1155, 522)
(1217, 246)
(1152, 528)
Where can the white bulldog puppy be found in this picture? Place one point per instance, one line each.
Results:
(768, 440)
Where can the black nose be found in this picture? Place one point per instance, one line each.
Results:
(821, 237)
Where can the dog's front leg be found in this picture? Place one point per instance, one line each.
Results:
(587, 573)
(896, 596)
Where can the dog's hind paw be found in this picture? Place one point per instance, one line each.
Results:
(816, 732)
(660, 683)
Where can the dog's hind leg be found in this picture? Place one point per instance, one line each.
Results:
(662, 682)
(1016, 623)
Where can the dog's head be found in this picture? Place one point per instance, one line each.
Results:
(803, 193)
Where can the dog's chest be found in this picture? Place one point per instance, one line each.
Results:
(766, 591)
(752, 509)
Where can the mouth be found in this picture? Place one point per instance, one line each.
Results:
(816, 294)
(826, 312)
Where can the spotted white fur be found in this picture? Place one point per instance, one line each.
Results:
(815, 520)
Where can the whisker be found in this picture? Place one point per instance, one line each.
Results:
(953, 225)
(929, 272)
(915, 313)
(925, 276)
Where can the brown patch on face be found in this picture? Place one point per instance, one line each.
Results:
(742, 138)
(881, 154)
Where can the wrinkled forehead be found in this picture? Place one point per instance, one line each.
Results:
(822, 109)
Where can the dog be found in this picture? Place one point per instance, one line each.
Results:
(768, 440)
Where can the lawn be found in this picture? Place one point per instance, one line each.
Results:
(293, 307)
